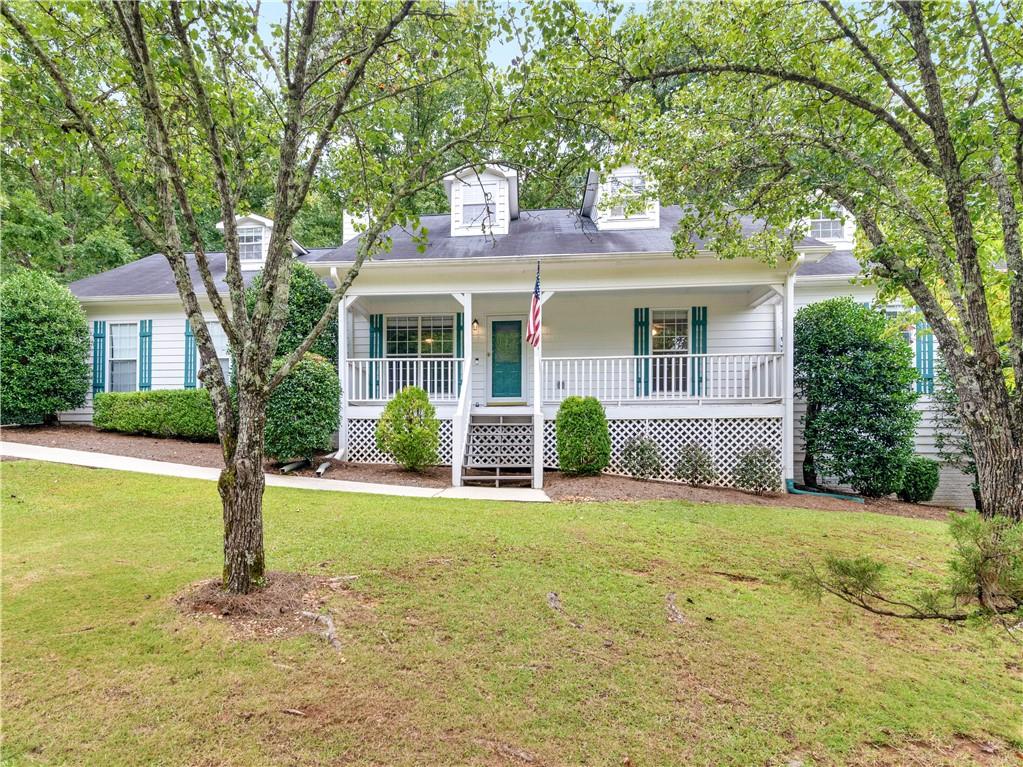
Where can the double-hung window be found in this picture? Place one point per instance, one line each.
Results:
(625, 188)
(124, 356)
(417, 348)
(250, 243)
(670, 344)
(478, 206)
(223, 348)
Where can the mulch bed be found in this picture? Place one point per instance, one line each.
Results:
(557, 485)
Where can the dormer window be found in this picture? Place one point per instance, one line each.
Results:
(478, 206)
(826, 228)
(618, 202)
(250, 243)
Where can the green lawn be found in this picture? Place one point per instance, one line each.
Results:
(456, 657)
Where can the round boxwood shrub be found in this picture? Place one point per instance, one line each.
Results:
(758, 470)
(695, 466)
(921, 480)
(409, 430)
(44, 348)
(308, 298)
(302, 413)
(583, 439)
(641, 457)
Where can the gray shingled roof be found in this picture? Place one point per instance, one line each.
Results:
(838, 263)
(152, 276)
(534, 233)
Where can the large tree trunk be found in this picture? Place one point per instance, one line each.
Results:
(241, 492)
(997, 450)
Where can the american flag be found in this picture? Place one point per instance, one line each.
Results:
(533, 326)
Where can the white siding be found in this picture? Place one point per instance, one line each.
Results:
(168, 347)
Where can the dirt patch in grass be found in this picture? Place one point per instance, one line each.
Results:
(606, 487)
(960, 751)
(286, 606)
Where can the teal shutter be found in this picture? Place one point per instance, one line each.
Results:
(99, 356)
(641, 348)
(191, 355)
(145, 355)
(459, 345)
(376, 348)
(697, 345)
(924, 358)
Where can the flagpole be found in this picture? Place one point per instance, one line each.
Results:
(538, 425)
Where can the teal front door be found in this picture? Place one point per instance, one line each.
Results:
(506, 359)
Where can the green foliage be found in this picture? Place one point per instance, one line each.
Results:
(44, 348)
(758, 470)
(583, 438)
(695, 466)
(921, 480)
(854, 371)
(181, 413)
(308, 299)
(302, 414)
(409, 430)
(641, 457)
(988, 561)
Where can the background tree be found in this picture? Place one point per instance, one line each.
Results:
(218, 109)
(908, 115)
(44, 345)
(308, 300)
(855, 373)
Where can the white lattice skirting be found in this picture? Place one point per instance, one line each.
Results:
(362, 442)
(725, 439)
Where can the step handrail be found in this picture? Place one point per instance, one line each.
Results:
(460, 426)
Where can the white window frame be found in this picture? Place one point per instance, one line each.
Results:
(111, 359)
(632, 185)
(245, 235)
(484, 219)
(678, 373)
(419, 336)
(225, 362)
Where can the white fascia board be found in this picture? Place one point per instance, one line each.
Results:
(824, 279)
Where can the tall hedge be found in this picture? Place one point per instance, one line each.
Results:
(583, 438)
(302, 413)
(854, 369)
(308, 298)
(44, 348)
(182, 413)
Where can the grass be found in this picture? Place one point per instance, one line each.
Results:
(461, 660)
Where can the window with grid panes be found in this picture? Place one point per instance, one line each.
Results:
(250, 243)
(124, 356)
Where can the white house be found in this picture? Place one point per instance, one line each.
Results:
(685, 351)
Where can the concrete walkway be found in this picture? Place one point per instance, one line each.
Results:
(166, 469)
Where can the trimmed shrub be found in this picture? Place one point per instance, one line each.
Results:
(302, 413)
(758, 471)
(308, 298)
(44, 348)
(409, 430)
(642, 458)
(583, 438)
(695, 466)
(921, 480)
(855, 371)
(182, 413)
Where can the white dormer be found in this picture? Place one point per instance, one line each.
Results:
(606, 203)
(484, 201)
(833, 225)
(254, 240)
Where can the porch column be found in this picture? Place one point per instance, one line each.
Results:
(538, 419)
(788, 344)
(342, 368)
(460, 423)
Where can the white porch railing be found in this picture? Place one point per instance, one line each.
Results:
(660, 377)
(379, 379)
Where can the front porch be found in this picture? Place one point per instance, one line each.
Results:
(707, 364)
